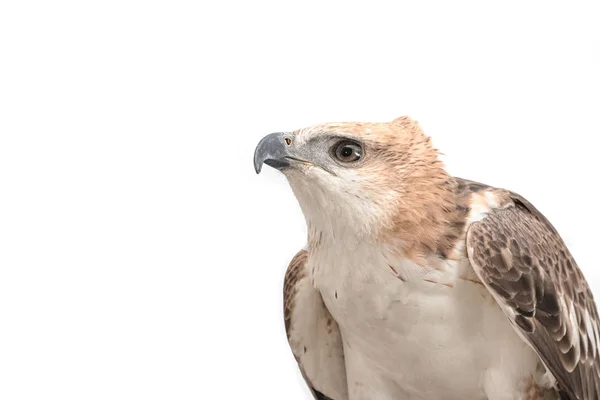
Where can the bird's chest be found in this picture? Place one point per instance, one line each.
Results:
(369, 288)
(355, 285)
(415, 326)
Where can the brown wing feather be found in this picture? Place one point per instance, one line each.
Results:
(295, 272)
(315, 321)
(523, 261)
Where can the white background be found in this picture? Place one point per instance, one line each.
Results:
(140, 255)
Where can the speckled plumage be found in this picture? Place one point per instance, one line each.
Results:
(527, 267)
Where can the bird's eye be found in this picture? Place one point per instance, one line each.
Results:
(347, 151)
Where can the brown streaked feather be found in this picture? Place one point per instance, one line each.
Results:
(456, 213)
(525, 264)
(314, 321)
(294, 273)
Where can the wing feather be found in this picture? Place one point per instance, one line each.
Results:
(313, 335)
(522, 260)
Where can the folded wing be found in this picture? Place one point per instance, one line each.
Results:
(525, 264)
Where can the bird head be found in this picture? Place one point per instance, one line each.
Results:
(361, 178)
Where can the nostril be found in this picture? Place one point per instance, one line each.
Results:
(288, 141)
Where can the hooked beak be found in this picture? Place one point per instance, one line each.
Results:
(273, 150)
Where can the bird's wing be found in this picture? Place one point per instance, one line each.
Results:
(524, 263)
(313, 334)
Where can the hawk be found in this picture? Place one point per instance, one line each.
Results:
(415, 284)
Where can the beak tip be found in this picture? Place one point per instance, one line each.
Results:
(270, 150)
(258, 162)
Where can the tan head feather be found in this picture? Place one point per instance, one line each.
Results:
(404, 179)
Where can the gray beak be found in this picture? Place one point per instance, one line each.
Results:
(273, 151)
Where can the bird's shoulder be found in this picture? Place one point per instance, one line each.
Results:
(313, 334)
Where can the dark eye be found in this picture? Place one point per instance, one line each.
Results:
(347, 151)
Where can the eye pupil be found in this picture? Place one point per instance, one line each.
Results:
(347, 152)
